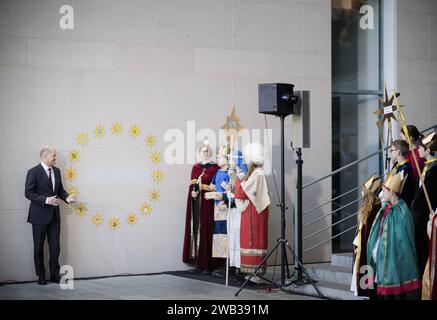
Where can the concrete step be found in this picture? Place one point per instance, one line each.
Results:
(342, 260)
(330, 290)
(328, 272)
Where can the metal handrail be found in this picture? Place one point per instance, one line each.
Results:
(354, 163)
(328, 227)
(332, 212)
(333, 199)
(329, 239)
(430, 128)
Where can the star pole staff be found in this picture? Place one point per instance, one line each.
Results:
(381, 138)
(229, 216)
(404, 128)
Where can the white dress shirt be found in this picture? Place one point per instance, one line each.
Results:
(46, 168)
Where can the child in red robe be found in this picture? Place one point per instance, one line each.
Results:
(253, 198)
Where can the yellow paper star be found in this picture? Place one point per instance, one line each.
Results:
(157, 175)
(146, 209)
(155, 157)
(154, 195)
(150, 141)
(114, 223)
(100, 131)
(131, 218)
(74, 155)
(72, 190)
(117, 128)
(81, 209)
(97, 219)
(82, 138)
(135, 131)
(70, 174)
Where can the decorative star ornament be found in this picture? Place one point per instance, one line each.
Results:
(81, 209)
(97, 219)
(154, 195)
(114, 223)
(99, 131)
(135, 131)
(70, 174)
(131, 218)
(146, 209)
(387, 109)
(232, 125)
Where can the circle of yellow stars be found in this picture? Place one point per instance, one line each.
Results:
(100, 132)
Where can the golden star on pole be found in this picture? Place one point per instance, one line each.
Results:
(387, 102)
(232, 127)
(232, 124)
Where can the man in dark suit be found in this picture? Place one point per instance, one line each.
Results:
(44, 190)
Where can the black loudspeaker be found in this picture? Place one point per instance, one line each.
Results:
(276, 98)
(302, 109)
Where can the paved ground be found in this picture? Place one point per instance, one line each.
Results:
(161, 286)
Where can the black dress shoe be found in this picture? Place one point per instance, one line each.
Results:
(42, 281)
(55, 279)
(194, 271)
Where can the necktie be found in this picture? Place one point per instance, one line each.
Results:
(50, 179)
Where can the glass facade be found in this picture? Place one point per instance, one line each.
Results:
(356, 85)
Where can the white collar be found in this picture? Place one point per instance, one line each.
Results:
(45, 166)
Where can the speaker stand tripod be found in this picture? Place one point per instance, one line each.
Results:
(282, 242)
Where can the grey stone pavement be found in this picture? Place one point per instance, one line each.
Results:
(148, 287)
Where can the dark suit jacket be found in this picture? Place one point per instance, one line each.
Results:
(37, 190)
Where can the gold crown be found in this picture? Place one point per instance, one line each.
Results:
(394, 183)
(428, 139)
(373, 184)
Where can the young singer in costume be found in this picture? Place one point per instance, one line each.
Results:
(368, 211)
(398, 152)
(416, 137)
(219, 183)
(391, 250)
(238, 171)
(225, 188)
(199, 223)
(429, 289)
(419, 208)
(254, 195)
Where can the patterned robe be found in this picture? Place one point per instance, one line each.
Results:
(391, 251)
(220, 238)
(360, 257)
(429, 290)
(254, 220)
(199, 223)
